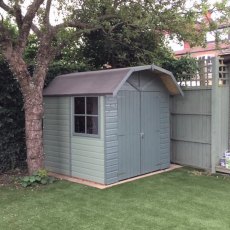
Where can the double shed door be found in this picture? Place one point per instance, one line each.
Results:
(138, 133)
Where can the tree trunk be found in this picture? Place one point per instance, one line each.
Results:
(33, 127)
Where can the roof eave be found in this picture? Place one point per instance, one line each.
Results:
(169, 74)
(132, 70)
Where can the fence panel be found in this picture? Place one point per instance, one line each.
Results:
(200, 120)
(191, 128)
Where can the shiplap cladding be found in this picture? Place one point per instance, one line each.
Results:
(111, 140)
(191, 128)
(70, 154)
(87, 161)
(56, 135)
(164, 131)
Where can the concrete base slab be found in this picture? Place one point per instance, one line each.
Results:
(102, 186)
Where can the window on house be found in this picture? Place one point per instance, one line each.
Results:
(86, 115)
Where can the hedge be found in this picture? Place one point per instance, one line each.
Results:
(12, 125)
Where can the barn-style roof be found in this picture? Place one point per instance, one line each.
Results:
(105, 82)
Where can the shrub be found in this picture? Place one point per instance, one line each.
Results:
(183, 68)
(39, 177)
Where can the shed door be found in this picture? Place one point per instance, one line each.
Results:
(128, 134)
(138, 133)
(150, 132)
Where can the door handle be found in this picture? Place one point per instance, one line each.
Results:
(142, 135)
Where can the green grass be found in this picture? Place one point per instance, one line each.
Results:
(175, 200)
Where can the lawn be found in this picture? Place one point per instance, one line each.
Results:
(179, 199)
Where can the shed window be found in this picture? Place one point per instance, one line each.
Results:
(86, 115)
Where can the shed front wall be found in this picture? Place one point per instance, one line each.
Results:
(67, 153)
(56, 135)
(115, 149)
(87, 153)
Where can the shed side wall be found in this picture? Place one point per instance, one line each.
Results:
(111, 140)
(56, 134)
(88, 152)
(164, 131)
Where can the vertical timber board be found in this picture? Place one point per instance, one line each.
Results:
(153, 84)
(128, 134)
(150, 129)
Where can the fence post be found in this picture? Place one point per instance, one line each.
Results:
(215, 113)
(201, 65)
(228, 75)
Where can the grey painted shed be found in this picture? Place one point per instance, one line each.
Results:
(109, 125)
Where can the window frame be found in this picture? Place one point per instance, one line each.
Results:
(85, 115)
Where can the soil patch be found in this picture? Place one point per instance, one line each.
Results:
(12, 177)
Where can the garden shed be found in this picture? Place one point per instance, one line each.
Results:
(109, 125)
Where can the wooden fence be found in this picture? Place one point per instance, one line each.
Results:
(200, 119)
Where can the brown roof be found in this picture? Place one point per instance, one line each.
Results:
(104, 82)
(210, 46)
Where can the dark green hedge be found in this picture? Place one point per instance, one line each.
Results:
(12, 135)
(12, 138)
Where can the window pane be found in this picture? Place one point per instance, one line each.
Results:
(79, 105)
(92, 105)
(79, 124)
(92, 125)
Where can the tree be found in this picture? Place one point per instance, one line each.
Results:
(78, 17)
(123, 47)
